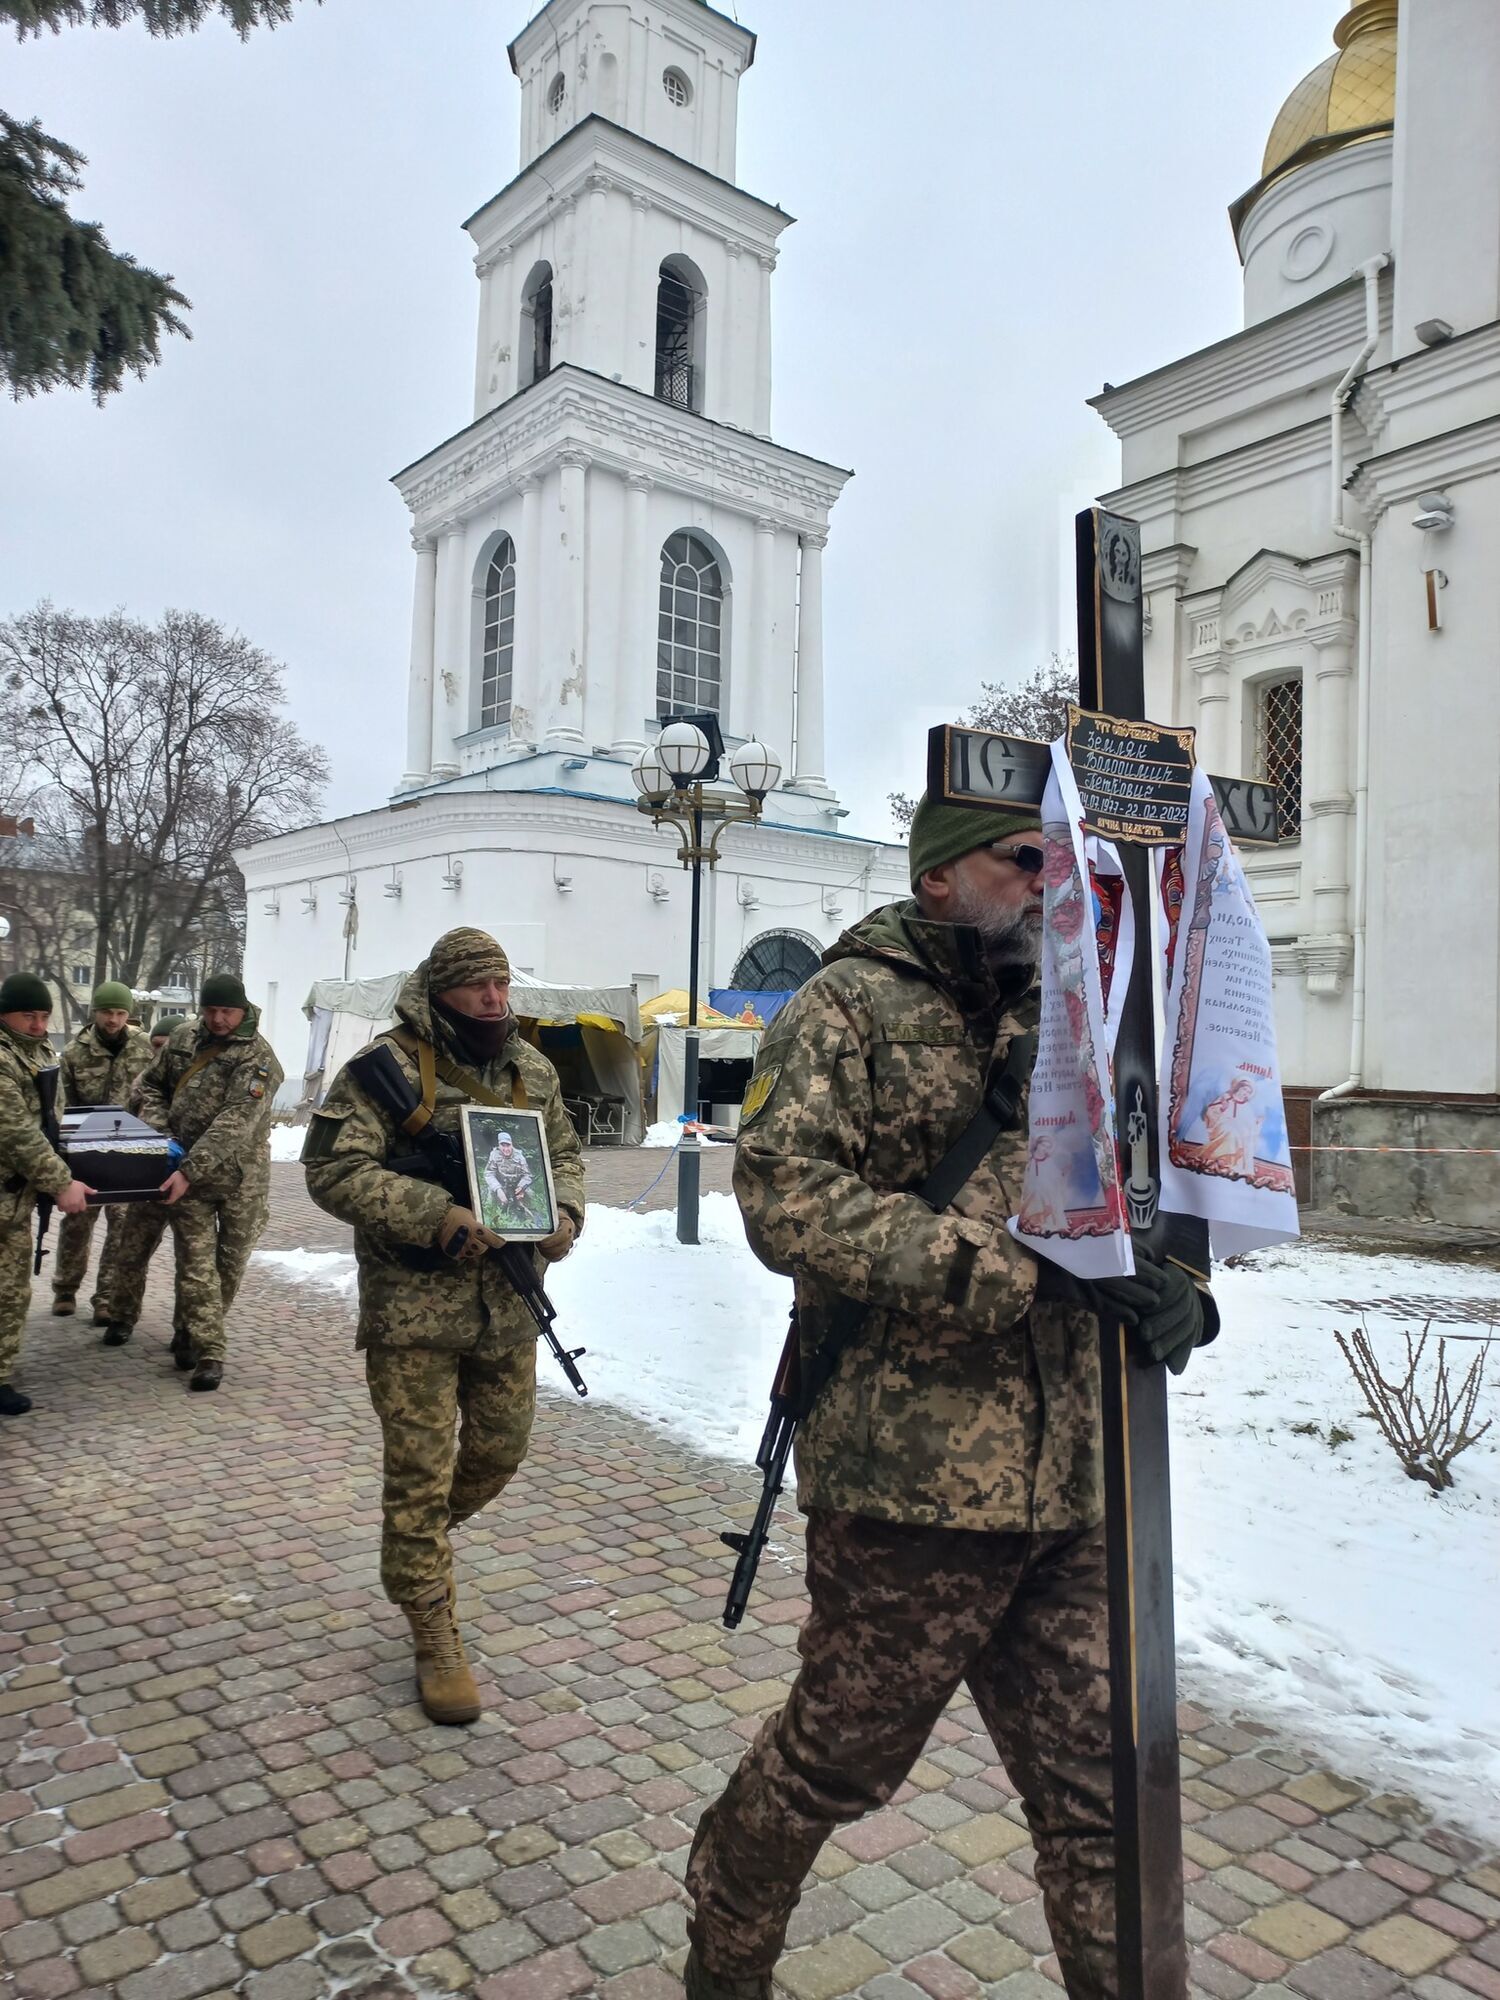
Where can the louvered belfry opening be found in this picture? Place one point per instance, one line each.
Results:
(676, 306)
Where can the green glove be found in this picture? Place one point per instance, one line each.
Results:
(1177, 1323)
(1113, 1299)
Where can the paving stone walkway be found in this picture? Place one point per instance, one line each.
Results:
(214, 1779)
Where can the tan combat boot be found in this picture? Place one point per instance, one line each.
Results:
(445, 1685)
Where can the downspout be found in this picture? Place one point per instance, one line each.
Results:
(1370, 272)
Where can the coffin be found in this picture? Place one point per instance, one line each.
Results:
(117, 1154)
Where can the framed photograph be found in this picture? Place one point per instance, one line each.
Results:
(510, 1173)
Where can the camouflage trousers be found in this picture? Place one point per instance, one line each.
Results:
(419, 1394)
(213, 1241)
(16, 1246)
(900, 1618)
(75, 1236)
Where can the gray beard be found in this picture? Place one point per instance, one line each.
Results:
(1009, 937)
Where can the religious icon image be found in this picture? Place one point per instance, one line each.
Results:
(1235, 1128)
(510, 1173)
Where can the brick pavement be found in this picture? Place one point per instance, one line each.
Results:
(214, 1778)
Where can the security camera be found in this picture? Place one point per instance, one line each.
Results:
(1435, 514)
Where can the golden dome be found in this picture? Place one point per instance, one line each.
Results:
(1349, 98)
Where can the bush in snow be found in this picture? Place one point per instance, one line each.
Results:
(1426, 1429)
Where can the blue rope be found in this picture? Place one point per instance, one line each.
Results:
(658, 1181)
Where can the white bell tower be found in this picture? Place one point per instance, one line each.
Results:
(614, 535)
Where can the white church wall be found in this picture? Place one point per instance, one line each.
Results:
(1311, 229)
(576, 889)
(1434, 938)
(1447, 203)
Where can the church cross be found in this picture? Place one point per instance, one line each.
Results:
(980, 768)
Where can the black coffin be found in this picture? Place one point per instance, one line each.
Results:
(117, 1154)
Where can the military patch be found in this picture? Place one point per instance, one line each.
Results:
(257, 1090)
(758, 1096)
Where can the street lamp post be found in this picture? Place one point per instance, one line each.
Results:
(671, 776)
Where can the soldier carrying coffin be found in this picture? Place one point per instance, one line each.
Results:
(98, 1066)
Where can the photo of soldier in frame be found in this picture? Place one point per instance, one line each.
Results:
(510, 1173)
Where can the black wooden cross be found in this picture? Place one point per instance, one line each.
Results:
(978, 768)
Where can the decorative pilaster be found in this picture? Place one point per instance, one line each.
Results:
(451, 649)
(1330, 793)
(808, 774)
(761, 422)
(1210, 670)
(569, 680)
(526, 668)
(752, 707)
(635, 666)
(419, 684)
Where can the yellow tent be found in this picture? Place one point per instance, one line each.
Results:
(676, 1004)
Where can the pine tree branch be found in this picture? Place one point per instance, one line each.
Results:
(72, 311)
(161, 17)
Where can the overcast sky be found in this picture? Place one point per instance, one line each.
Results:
(1000, 207)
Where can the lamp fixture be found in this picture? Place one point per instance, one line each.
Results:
(1436, 514)
(755, 769)
(455, 875)
(649, 775)
(684, 752)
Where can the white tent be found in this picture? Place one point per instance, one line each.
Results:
(347, 1014)
(714, 1045)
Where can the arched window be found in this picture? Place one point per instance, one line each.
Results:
(1278, 749)
(534, 349)
(690, 627)
(777, 962)
(680, 301)
(499, 636)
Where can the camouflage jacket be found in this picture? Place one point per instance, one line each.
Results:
(92, 1075)
(963, 1400)
(220, 1113)
(348, 1143)
(28, 1164)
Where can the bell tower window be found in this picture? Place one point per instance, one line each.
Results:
(498, 658)
(680, 302)
(535, 347)
(690, 628)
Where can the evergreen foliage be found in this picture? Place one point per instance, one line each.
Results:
(73, 312)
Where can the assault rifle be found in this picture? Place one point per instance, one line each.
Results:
(787, 1412)
(46, 1090)
(440, 1159)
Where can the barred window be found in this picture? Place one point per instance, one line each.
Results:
(679, 338)
(690, 628)
(499, 636)
(1278, 749)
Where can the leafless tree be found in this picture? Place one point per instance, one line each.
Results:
(1036, 707)
(149, 753)
(1427, 1429)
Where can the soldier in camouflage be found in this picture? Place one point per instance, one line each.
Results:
(212, 1088)
(951, 1467)
(98, 1066)
(29, 1163)
(445, 1339)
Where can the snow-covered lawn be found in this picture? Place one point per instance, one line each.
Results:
(1317, 1587)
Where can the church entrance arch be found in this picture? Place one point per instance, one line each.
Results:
(777, 962)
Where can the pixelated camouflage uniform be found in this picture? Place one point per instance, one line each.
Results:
(219, 1111)
(950, 1469)
(28, 1167)
(93, 1073)
(442, 1342)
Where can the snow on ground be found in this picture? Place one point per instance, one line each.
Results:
(1317, 1587)
(286, 1141)
(334, 1268)
(665, 1133)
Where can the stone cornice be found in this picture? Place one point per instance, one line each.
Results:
(595, 147)
(1447, 460)
(1471, 361)
(1167, 568)
(1288, 596)
(627, 432)
(1310, 340)
(1264, 462)
(458, 823)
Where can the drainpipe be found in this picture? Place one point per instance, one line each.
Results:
(1370, 272)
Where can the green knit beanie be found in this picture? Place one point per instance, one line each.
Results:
(942, 833)
(113, 993)
(223, 989)
(24, 993)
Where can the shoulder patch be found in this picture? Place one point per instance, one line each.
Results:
(758, 1096)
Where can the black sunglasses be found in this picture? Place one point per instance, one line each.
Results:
(1030, 860)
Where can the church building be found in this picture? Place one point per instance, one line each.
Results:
(1320, 501)
(612, 537)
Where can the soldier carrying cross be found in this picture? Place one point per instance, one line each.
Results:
(951, 1458)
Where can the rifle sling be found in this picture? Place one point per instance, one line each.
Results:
(999, 1111)
(431, 1065)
